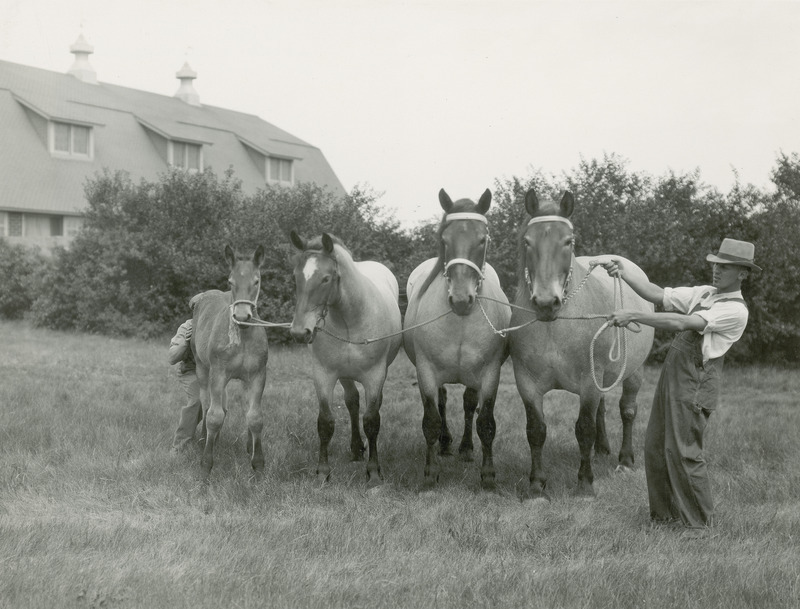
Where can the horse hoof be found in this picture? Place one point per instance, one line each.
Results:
(428, 484)
(323, 478)
(466, 455)
(538, 501)
(445, 451)
(623, 469)
(586, 492)
(488, 484)
(374, 478)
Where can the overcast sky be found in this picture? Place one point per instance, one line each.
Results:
(407, 97)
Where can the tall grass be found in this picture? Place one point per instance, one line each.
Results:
(94, 512)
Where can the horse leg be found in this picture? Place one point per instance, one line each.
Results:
(324, 383)
(431, 423)
(373, 396)
(351, 400)
(445, 439)
(585, 431)
(535, 429)
(214, 418)
(486, 430)
(470, 405)
(601, 445)
(627, 411)
(255, 420)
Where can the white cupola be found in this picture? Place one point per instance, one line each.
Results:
(81, 68)
(186, 91)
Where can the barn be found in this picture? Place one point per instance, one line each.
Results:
(60, 129)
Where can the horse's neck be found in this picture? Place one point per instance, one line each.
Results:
(353, 295)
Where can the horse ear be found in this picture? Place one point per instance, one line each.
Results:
(297, 240)
(445, 201)
(258, 257)
(327, 243)
(484, 202)
(567, 204)
(230, 257)
(531, 202)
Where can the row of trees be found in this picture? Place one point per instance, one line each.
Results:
(147, 247)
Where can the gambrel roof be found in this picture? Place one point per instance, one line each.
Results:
(129, 129)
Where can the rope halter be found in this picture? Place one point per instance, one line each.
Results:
(480, 270)
(528, 280)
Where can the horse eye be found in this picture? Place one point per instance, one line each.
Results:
(326, 279)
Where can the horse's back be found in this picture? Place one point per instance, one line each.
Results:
(206, 309)
(383, 279)
(631, 299)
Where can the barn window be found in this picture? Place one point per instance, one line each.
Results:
(71, 140)
(279, 170)
(186, 155)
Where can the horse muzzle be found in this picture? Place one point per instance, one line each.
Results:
(303, 334)
(461, 305)
(546, 309)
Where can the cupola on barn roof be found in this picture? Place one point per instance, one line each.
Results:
(186, 91)
(81, 68)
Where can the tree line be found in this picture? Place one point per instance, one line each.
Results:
(147, 247)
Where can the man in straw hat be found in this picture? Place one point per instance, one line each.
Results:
(708, 320)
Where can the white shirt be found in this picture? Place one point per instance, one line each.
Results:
(725, 321)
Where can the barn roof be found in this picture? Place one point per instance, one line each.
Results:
(126, 124)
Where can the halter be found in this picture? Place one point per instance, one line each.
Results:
(480, 270)
(320, 323)
(528, 281)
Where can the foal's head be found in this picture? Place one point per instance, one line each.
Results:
(316, 277)
(463, 241)
(244, 281)
(546, 247)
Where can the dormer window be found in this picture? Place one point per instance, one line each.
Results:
(279, 171)
(186, 155)
(70, 140)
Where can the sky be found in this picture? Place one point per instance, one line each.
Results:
(407, 97)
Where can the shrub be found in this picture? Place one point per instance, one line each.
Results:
(22, 278)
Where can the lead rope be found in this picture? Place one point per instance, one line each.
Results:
(619, 346)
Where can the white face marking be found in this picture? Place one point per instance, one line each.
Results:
(310, 268)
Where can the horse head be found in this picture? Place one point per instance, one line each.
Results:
(316, 276)
(463, 241)
(245, 282)
(546, 249)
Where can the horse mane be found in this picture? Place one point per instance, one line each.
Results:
(550, 208)
(460, 206)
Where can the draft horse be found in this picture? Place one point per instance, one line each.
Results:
(341, 305)
(568, 304)
(461, 348)
(225, 350)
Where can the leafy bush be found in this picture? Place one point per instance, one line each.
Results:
(22, 278)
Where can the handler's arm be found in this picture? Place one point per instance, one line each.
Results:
(638, 281)
(674, 322)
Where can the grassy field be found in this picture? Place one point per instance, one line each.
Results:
(94, 512)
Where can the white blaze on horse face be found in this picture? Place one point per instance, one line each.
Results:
(310, 268)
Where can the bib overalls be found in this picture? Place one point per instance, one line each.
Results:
(678, 486)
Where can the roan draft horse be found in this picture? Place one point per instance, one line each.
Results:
(342, 305)
(553, 352)
(462, 348)
(225, 350)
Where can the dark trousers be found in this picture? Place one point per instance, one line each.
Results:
(677, 475)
